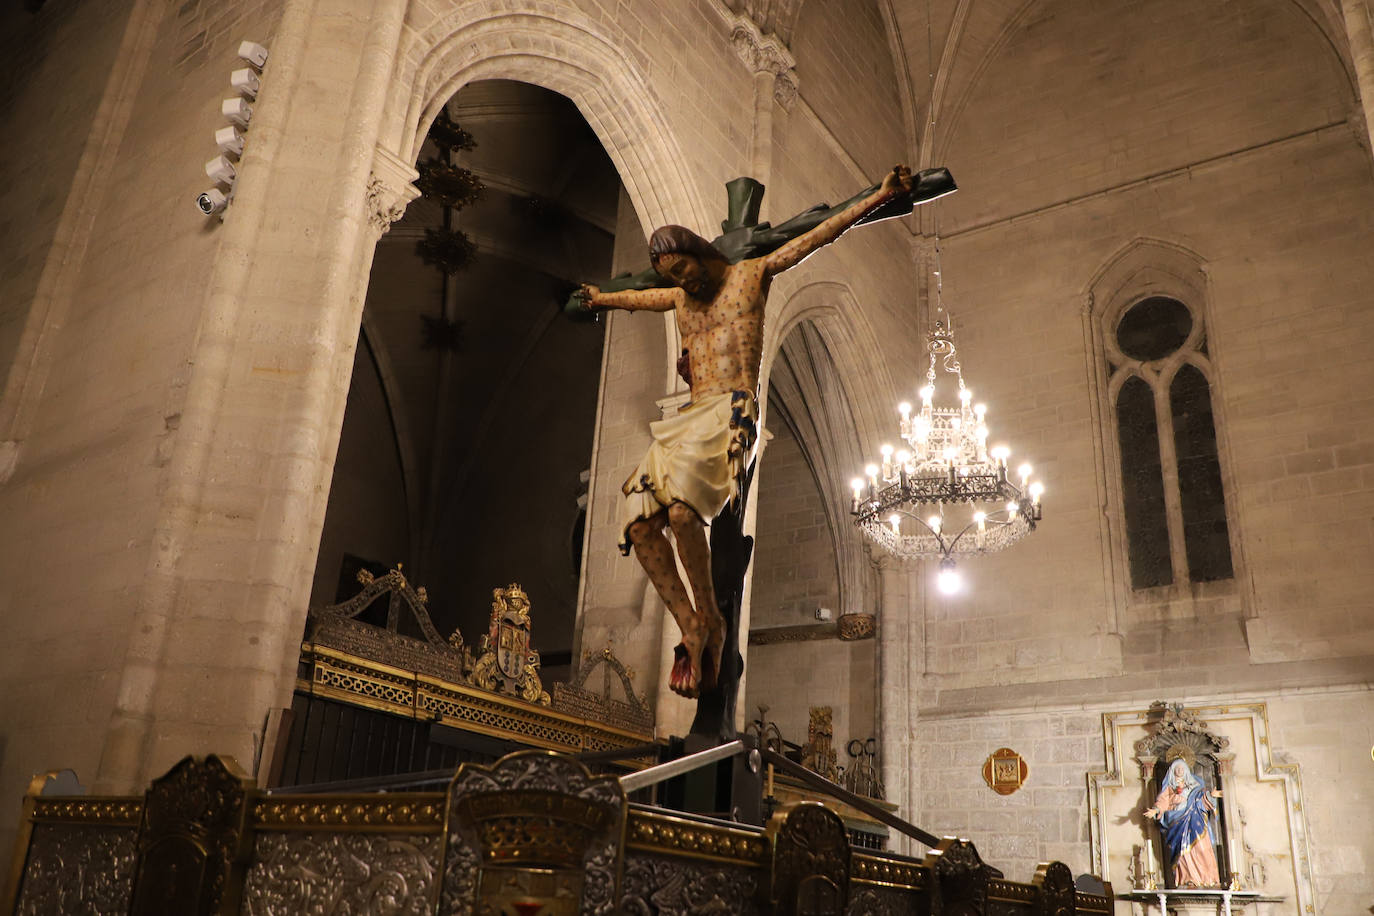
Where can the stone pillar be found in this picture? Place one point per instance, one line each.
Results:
(214, 640)
(901, 662)
(775, 80)
(1358, 31)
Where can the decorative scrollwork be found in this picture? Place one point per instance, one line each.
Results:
(77, 868)
(658, 886)
(631, 714)
(810, 859)
(1175, 733)
(1054, 881)
(874, 901)
(857, 626)
(335, 626)
(188, 844)
(308, 872)
(961, 877)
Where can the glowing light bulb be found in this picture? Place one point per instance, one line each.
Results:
(950, 453)
(980, 410)
(903, 457)
(927, 393)
(934, 523)
(896, 522)
(981, 432)
(965, 395)
(905, 409)
(1036, 490)
(1025, 471)
(857, 485)
(981, 518)
(1011, 509)
(1001, 453)
(871, 472)
(948, 580)
(887, 452)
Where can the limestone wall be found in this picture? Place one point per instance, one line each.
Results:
(1246, 162)
(110, 135)
(1317, 739)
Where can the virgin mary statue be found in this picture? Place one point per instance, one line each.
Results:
(1183, 808)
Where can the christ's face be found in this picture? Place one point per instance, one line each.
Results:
(685, 271)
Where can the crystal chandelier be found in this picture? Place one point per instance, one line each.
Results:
(905, 504)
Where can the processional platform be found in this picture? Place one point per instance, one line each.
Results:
(534, 834)
(591, 815)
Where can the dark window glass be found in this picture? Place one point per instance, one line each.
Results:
(1142, 485)
(1154, 328)
(1199, 478)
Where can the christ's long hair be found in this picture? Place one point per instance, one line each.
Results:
(681, 240)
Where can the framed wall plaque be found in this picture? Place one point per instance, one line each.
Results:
(1005, 771)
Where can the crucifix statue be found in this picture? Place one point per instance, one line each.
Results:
(699, 464)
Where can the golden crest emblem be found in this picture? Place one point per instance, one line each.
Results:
(507, 664)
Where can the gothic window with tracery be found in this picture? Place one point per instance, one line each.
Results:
(1171, 482)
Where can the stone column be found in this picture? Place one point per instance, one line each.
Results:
(215, 633)
(901, 661)
(1358, 31)
(775, 80)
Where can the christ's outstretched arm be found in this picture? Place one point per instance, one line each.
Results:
(664, 299)
(797, 250)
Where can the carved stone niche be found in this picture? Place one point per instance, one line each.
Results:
(1177, 734)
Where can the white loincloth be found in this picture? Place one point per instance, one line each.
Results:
(697, 457)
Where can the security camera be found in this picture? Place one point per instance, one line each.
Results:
(211, 202)
(237, 111)
(245, 83)
(220, 169)
(254, 53)
(229, 141)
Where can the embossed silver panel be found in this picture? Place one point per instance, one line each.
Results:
(342, 873)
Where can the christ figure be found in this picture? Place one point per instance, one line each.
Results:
(697, 459)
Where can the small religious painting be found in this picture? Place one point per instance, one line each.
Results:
(1005, 771)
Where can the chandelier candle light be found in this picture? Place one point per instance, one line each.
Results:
(901, 503)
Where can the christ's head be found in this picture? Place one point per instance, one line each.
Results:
(686, 260)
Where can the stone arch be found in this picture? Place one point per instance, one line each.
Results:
(559, 49)
(838, 428)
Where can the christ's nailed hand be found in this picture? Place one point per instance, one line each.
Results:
(579, 304)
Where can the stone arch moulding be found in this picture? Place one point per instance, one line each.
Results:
(1143, 268)
(557, 48)
(831, 310)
